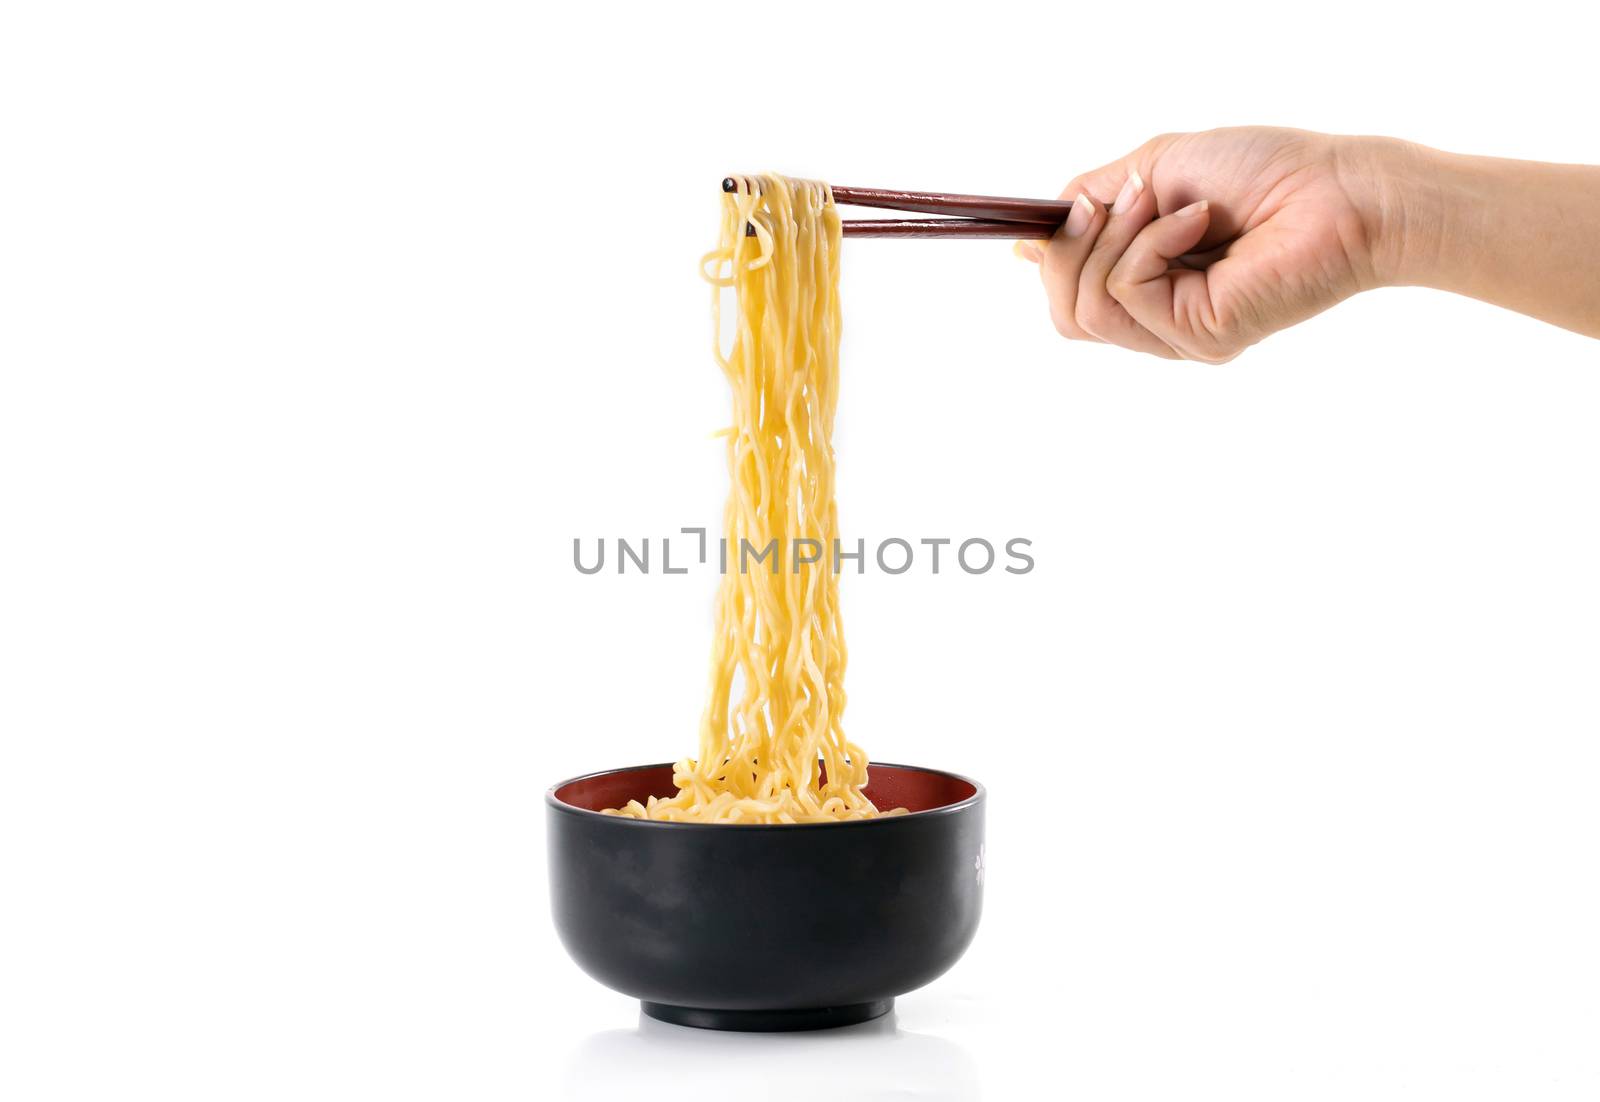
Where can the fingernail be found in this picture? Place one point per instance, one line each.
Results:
(1022, 250)
(1193, 209)
(1129, 193)
(1080, 216)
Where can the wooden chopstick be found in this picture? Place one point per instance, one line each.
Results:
(968, 215)
(989, 207)
(948, 227)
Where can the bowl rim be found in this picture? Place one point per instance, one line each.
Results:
(977, 797)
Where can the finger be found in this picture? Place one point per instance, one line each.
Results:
(1028, 250)
(1171, 303)
(1103, 183)
(1097, 311)
(1063, 259)
(1203, 259)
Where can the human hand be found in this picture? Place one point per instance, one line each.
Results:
(1214, 240)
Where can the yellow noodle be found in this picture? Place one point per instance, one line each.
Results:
(777, 660)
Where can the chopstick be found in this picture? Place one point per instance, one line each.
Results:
(990, 207)
(948, 227)
(968, 215)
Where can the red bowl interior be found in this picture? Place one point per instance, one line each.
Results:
(888, 786)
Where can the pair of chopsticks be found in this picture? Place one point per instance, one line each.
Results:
(964, 215)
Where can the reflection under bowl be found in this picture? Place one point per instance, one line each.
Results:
(760, 927)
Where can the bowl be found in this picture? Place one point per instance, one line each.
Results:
(757, 927)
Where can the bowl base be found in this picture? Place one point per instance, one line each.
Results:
(769, 1021)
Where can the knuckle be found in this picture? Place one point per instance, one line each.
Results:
(1065, 325)
(1096, 317)
(1215, 356)
(1218, 332)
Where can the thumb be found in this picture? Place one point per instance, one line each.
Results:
(1174, 304)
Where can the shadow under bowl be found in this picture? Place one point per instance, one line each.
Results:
(757, 927)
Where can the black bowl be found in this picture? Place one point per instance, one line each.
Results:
(778, 927)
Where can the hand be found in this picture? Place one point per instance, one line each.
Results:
(1214, 240)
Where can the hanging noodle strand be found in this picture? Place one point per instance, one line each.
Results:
(772, 744)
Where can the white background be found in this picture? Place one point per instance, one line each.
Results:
(325, 327)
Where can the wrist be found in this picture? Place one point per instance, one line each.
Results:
(1520, 234)
(1407, 198)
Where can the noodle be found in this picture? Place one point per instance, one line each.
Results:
(772, 746)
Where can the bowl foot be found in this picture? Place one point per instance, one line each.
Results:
(769, 1021)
